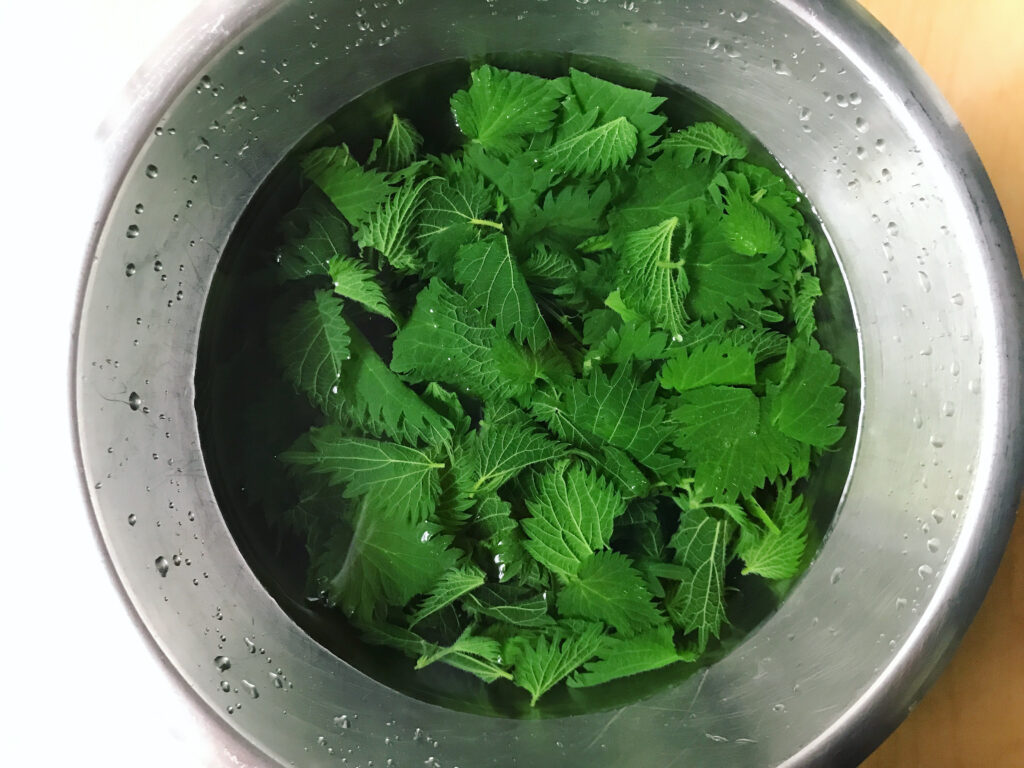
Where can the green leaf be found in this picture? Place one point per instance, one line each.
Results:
(378, 400)
(807, 404)
(363, 578)
(497, 453)
(722, 281)
(397, 481)
(619, 410)
(454, 213)
(596, 151)
(402, 146)
(353, 279)
(531, 613)
(543, 662)
(614, 101)
(624, 657)
(493, 283)
(478, 655)
(607, 588)
(389, 228)
(501, 108)
(312, 346)
(451, 586)
(447, 340)
(314, 234)
(355, 192)
(663, 190)
(630, 341)
(571, 516)
(650, 279)
(709, 363)
(777, 554)
(399, 638)
(750, 232)
(569, 216)
(700, 544)
(707, 136)
(807, 293)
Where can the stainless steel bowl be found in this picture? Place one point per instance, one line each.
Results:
(926, 256)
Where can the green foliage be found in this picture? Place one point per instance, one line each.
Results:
(566, 376)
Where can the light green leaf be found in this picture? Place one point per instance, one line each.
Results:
(707, 136)
(498, 452)
(571, 516)
(608, 588)
(353, 279)
(402, 146)
(452, 585)
(397, 481)
(312, 346)
(808, 290)
(651, 280)
(613, 101)
(355, 192)
(748, 231)
(596, 151)
(501, 108)
(700, 544)
(543, 662)
(624, 657)
(777, 554)
(709, 363)
(472, 653)
(389, 228)
(493, 283)
(807, 404)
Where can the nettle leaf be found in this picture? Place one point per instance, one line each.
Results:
(312, 346)
(314, 234)
(571, 516)
(451, 586)
(501, 108)
(531, 613)
(389, 228)
(395, 480)
(376, 398)
(569, 216)
(722, 281)
(697, 605)
(808, 291)
(447, 340)
(543, 662)
(595, 151)
(650, 279)
(619, 411)
(807, 404)
(364, 578)
(454, 213)
(614, 101)
(624, 657)
(608, 588)
(777, 554)
(353, 279)
(498, 452)
(707, 136)
(480, 656)
(494, 283)
(355, 191)
(402, 146)
(663, 190)
(629, 341)
(748, 231)
(709, 363)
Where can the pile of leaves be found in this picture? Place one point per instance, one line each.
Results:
(567, 375)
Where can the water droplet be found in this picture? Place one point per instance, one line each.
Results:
(134, 401)
(139, 208)
(925, 571)
(917, 420)
(901, 603)
(152, 171)
(158, 265)
(716, 738)
(933, 545)
(892, 229)
(924, 281)
(129, 269)
(880, 145)
(837, 574)
(713, 43)
(862, 125)
(886, 174)
(162, 566)
(132, 232)
(342, 721)
(250, 644)
(778, 707)
(250, 689)
(936, 441)
(948, 409)
(805, 114)
(855, 98)
(842, 101)
(223, 663)
(779, 68)
(740, 16)
(957, 298)
(225, 686)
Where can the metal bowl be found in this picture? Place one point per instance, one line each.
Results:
(935, 289)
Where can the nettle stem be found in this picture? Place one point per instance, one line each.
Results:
(488, 223)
